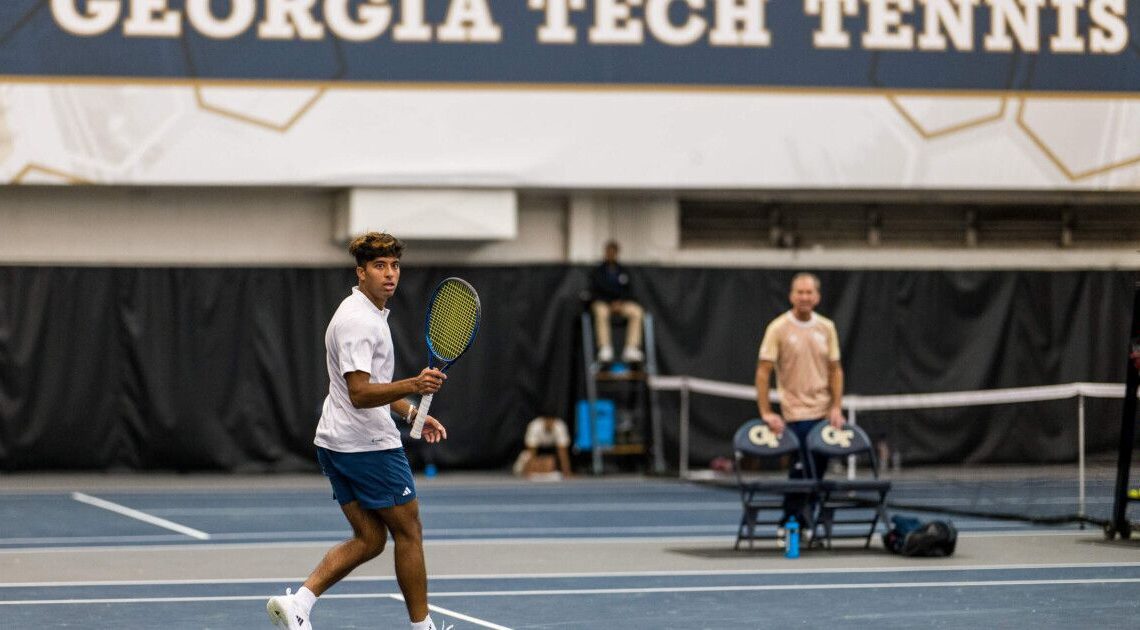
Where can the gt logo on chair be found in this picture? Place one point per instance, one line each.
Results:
(840, 437)
(761, 435)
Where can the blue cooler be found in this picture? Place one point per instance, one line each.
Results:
(604, 410)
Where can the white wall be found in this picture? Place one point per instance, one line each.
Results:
(226, 226)
(129, 226)
(294, 226)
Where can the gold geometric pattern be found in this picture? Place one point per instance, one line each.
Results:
(1071, 173)
(945, 130)
(33, 168)
(264, 123)
(6, 140)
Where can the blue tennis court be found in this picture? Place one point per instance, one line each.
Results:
(1053, 597)
(641, 553)
(581, 509)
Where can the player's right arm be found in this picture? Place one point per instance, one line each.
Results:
(769, 354)
(365, 395)
(354, 341)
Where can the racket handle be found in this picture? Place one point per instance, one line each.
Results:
(421, 416)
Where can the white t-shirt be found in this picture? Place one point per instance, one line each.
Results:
(357, 339)
(538, 437)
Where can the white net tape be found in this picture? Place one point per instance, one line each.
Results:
(904, 401)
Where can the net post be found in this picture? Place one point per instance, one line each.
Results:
(591, 419)
(1081, 456)
(683, 462)
(1120, 524)
(658, 436)
(851, 458)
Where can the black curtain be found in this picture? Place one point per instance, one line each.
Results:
(910, 332)
(223, 369)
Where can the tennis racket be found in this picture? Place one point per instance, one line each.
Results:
(452, 320)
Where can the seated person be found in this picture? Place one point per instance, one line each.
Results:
(545, 437)
(610, 292)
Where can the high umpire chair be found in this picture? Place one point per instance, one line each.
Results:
(860, 496)
(755, 442)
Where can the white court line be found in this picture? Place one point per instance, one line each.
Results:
(511, 508)
(447, 611)
(83, 540)
(784, 587)
(598, 574)
(491, 508)
(1009, 501)
(1022, 534)
(471, 533)
(242, 598)
(455, 542)
(151, 600)
(717, 531)
(325, 542)
(475, 620)
(468, 534)
(142, 516)
(596, 591)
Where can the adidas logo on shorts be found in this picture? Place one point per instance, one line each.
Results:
(407, 491)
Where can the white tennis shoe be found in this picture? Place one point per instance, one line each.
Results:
(285, 612)
(605, 354)
(632, 355)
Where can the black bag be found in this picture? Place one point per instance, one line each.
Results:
(910, 537)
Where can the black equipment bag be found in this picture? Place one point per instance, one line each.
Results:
(910, 537)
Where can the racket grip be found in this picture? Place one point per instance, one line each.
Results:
(421, 416)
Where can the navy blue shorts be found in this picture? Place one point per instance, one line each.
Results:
(377, 479)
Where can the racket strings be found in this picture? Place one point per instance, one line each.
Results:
(453, 319)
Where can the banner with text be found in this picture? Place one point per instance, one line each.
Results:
(573, 94)
(971, 45)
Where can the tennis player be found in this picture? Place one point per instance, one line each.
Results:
(358, 443)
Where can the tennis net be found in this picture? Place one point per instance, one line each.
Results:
(1060, 476)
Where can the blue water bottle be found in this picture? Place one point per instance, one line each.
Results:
(793, 528)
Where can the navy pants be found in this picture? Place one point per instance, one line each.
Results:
(797, 504)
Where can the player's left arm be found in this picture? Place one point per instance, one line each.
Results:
(835, 379)
(434, 430)
(835, 386)
(402, 408)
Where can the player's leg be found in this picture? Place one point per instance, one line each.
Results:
(368, 539)
(393, 490)
(601, 311)
(344, 472)
(411, 571)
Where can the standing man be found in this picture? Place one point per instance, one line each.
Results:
(610, 291)
(804, 348)
(358, 443)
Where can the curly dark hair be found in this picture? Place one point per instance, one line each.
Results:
(373, 245)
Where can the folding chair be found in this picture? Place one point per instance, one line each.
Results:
(868, 494)
(756, 442)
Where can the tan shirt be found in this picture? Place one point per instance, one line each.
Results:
(802, 353)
